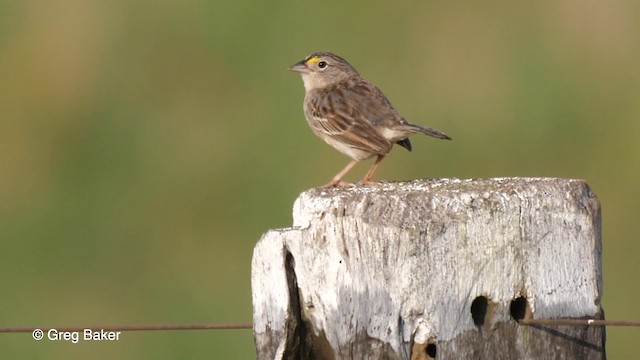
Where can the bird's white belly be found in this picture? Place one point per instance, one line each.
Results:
(351, 152)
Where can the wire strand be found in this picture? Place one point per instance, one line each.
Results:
(244, 326)
(579, 322)
(156, 327)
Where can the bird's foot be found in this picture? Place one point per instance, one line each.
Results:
(338, 183)
(369, 182)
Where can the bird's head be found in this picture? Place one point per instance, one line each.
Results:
(323, 69)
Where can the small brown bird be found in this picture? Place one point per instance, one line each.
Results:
(351, 114)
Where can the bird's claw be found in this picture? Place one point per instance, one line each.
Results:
(338, 183)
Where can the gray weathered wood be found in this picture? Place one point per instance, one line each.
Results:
(392, 271)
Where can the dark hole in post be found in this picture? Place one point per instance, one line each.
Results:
(479, 310)
(431, 351)
(518, 308)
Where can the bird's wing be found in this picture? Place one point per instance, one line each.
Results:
(375, 106)
(348, 120)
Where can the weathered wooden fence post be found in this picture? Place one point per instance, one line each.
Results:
(432, 269)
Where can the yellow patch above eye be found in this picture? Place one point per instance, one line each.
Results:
(313, 60)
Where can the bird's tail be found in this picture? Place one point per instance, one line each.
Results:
(428, 131)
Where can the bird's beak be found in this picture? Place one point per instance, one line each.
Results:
(300, 67)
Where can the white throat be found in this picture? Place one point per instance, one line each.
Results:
(312, 82)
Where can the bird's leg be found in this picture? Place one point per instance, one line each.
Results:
(336, 179)
(366, 178)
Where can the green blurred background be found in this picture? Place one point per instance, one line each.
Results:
(146, 145)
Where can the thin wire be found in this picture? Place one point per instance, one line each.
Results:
(579, 322)
(239, 326)
(20, 329)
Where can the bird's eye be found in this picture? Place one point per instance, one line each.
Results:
(322, 64)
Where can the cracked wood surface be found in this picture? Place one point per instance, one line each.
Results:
(392, 271)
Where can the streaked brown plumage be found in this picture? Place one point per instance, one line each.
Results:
(351, 114)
